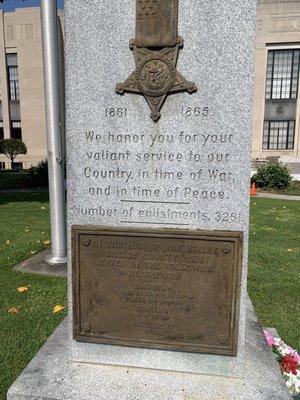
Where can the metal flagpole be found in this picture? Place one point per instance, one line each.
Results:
(54, 134)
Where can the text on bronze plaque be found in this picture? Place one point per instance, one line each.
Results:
(177, 290)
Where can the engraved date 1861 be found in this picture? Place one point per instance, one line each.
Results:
(114, 112)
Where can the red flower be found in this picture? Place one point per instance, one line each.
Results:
(288, 364)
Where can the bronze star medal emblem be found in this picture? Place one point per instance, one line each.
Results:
(156, 49)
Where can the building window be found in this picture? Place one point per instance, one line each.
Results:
(13, 76)
(2, 165)
(279, 135)
(282, 74)
(17, 166)
(16, 130)
(1, 130)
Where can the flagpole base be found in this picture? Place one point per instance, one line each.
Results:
(52, 259)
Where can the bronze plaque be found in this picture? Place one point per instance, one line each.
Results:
(156, 23)
(156, 49)
(172, 290)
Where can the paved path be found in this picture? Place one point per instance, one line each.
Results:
(277, 196)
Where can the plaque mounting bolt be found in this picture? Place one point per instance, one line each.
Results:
(86, 241)
(226, 250)
(87, 327)
(222, 339)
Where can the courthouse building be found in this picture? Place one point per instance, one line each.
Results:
(22, 105)
(276, 102)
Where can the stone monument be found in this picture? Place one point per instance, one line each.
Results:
(158, 207)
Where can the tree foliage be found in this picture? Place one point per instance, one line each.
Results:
(11, 148)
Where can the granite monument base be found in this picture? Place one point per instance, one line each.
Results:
(51, 375)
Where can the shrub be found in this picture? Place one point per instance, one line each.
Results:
(37, 176)
(272, 176)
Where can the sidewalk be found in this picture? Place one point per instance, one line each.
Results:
(277, 196)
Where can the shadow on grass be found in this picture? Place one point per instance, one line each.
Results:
(41, 197)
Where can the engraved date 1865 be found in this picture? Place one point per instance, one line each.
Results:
(194, 112)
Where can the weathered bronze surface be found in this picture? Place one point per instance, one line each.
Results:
(156, 49)
(156, 23)
(162, 290)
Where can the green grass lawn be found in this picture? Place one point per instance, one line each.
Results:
(24, 227)
(11, 179)
(274, 270)
(274, 283)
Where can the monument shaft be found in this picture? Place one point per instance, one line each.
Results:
(189, 172)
